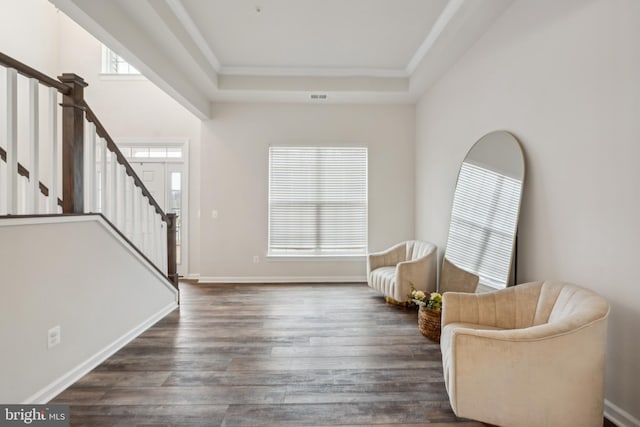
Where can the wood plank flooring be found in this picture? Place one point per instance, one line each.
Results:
(271, 355)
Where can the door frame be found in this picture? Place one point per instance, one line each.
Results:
(183, 143)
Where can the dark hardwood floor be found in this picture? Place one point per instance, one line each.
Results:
(271, 355)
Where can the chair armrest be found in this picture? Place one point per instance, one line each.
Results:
(390, 257)
(419, 273)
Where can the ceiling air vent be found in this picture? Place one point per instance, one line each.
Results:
(318, 96)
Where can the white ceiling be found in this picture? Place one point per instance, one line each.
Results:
(354, 51)
(369, 35)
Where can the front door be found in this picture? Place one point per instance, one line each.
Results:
(164, 182)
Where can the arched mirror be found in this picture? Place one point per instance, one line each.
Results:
(484, 216)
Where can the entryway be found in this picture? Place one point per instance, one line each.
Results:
(163, 168)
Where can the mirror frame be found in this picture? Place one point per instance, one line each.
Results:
(510, 278)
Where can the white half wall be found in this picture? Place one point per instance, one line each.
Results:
(235, 182)
(564, 77)
(76, 273)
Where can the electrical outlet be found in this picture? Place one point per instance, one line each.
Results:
(256, 259)
(54, 336)
(214, 214)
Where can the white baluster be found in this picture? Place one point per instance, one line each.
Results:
(143, 210)
(145, 226)
(23, 194)
(34, 145)
(90, 182)
(147, 230)
(12, 141)
(158, 239)
(137, 223)
(154, 236)
(103, 177)
(163, 246)
(152, 233)
(113, 193)
(53, 148)
(122, 200)
(130, 222)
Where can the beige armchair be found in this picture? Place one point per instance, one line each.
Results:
(393, 272)
(529, 355)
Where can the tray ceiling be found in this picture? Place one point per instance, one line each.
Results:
(352, 51)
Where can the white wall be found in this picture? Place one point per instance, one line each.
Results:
(98, 291)
(564, 77)
(28, 33)
(235, 181)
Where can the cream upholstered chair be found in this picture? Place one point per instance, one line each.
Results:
(528, 355)
(393, 272)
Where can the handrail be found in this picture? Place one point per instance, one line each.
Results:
(25, 172)
(111, 145)
(75, 111)
(27, 71)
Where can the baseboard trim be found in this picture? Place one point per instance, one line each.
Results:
(50, 391)
(619, 416)
(282, 279)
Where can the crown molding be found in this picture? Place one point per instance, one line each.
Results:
(191, 28)
(313, 72)
(450, 10)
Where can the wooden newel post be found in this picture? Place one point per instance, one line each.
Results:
(172, 265)
(73, 144)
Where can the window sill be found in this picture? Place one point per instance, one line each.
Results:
(315, 257)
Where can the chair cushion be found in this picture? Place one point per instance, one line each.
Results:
(383, 279)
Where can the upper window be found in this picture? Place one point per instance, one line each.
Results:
(112, 63)
(317, 201)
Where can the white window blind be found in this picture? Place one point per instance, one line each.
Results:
(483, 223)
(317, 201)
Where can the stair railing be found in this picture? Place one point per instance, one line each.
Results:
(80, 155)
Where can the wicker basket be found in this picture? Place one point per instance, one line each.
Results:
(429, 323)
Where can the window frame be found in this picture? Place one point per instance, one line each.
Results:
(317, 252)
(108, 72)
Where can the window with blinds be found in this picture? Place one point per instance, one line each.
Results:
(317, 201)
(483, 222)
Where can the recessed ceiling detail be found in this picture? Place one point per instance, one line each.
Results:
(312, 34)
(363, 51)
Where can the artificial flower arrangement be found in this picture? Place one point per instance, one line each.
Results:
(432, 301)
